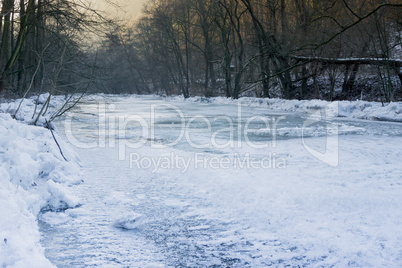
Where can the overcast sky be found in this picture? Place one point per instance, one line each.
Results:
(131, 8)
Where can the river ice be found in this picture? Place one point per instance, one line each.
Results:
(191, 189)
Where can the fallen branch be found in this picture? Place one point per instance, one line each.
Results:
(54, 137)
(350, 61)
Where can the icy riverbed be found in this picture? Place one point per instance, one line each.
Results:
(202, 182)
(172, 183)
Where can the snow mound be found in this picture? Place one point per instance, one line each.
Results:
(26, 110)
(130, 221)
(33, 177)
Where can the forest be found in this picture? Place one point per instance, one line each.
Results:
(291, 49)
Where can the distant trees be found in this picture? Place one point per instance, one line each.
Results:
(264, 47)
(267, 48)
(43, 45)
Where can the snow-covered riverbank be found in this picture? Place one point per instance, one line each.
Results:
(33, 177)
(348, 109)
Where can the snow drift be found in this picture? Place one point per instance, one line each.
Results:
(33, 177)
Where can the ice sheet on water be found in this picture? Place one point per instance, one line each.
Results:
(318, 131)
(314, 215)
(119, 197)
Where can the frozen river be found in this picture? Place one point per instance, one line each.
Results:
(171, 183)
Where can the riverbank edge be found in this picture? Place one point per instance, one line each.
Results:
(34, 177)
(347, 109)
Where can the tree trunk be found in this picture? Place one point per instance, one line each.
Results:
(349, 80)
(283, 19)
(5, 39)
(18, 45)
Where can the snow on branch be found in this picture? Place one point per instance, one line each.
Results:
(348, 61)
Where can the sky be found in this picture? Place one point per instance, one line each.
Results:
(131, 8)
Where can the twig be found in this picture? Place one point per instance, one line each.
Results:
(63, 110)
(56, 76)
(345, 28)
(54, 137)
(32, 80)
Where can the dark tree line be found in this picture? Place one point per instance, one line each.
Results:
(45, 46)
(269, 48)
(266, 48)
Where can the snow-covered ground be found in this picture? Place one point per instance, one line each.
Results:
(348, 109)
(267, 183)
(33, 177)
